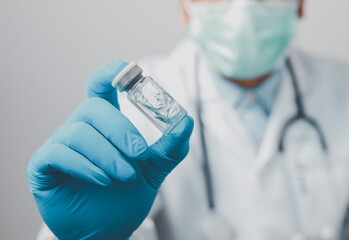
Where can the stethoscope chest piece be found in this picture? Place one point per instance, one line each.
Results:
(215, 227)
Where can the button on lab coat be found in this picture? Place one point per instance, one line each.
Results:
(251, 188)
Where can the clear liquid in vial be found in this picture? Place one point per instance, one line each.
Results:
(157, 104)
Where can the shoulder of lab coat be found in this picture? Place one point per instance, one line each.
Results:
(324, 84)
(321, 71)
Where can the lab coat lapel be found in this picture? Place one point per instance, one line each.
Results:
(284, 108)
(228, 130)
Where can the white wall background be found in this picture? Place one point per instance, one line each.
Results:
(49, 48)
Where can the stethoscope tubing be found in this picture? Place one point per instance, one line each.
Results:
(206, 164)
(300, 114)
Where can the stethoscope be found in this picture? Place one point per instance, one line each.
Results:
(300, 115)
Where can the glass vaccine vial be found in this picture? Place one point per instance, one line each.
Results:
(150, 98)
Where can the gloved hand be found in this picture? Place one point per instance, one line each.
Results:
(96, 177)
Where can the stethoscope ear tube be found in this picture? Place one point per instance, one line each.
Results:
(300, 114)
(205, 163)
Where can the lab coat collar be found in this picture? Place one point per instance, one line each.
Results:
(284, 108)
(229, 126)
(235, 94)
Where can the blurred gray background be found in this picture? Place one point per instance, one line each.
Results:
(49, 48)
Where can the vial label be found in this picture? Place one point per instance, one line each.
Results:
(157, 104)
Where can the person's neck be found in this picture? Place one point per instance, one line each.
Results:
(249, 83)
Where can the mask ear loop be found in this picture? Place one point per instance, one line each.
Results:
(186, 6)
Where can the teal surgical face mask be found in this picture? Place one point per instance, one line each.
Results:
(243, 39)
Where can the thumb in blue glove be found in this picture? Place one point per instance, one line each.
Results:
(96, 178)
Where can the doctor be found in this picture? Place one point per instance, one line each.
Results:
(269, 155)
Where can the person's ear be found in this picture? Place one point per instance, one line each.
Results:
(184, 13)
(301, 8)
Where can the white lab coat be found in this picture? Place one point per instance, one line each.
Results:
(251, 192)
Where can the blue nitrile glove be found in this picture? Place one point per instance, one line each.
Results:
(96, 178)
